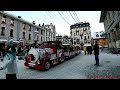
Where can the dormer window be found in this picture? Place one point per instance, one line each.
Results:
(24, 26)
(29, 28)
(12, 22)
(4, 19)
(37, 29)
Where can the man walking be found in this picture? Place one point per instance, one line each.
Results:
(96, 53)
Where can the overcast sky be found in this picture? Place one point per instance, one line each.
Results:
(62, 19)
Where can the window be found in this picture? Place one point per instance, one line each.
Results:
(46, 32)
(77, 32)
(81, 37)
(24, 26)
(37, 38)
(23, 34)
(46, 38)
(29, 28)
(88, 37)
(41, 39)
(11, 32)
(29, 36)
(37, 29)
(74, 34)
(12, 22)
(3, 31)
(88, 28)
(85, 37)
(41, 32)
(4, 19)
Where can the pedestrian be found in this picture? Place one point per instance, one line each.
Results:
(25, 51)
(10, 64)
(85, 50)
(96, 53)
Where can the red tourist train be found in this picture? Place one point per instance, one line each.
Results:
(51, 53)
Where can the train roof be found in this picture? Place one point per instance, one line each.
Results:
(65, 44)
(51, 41)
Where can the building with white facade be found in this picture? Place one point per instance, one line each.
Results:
(81, 33)
(111, 20)
(24, 31)
(50, 34)
(67, 40)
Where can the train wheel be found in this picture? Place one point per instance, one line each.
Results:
(47, 65)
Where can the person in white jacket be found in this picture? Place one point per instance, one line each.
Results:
(9, 61)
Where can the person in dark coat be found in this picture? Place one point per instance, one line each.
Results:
(90, 49)
(96, 53)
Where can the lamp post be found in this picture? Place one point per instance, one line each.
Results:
(36, 35)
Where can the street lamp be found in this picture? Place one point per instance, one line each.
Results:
(36, 35)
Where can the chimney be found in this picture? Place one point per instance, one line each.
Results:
(39, 24)
(19, 16)
(34, 22)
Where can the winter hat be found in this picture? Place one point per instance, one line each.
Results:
(10, 43)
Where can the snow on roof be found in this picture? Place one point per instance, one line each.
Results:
(3, 40)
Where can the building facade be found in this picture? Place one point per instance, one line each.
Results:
(101, 38)
(111, 20)
(81, 33)
(65, 39)
(16, 28)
